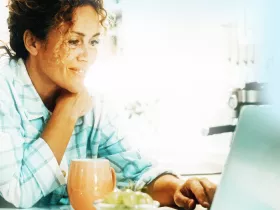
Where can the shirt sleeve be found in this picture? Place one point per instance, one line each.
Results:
(28, 170)
(132, 169)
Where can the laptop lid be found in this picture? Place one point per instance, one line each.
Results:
(251, 176)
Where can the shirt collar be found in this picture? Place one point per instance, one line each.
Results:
(31, 101)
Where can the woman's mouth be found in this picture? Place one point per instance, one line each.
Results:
(78, 71)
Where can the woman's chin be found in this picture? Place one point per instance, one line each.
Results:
(75, 88)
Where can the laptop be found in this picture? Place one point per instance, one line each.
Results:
(251, 176)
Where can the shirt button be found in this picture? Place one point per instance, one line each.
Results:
(64, 173)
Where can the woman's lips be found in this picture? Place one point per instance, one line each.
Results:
(78, 71)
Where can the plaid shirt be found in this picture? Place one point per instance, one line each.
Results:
(29, 171)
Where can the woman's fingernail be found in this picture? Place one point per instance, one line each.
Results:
(191, 204)
(206, 204)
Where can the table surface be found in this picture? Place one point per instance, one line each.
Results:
(67, 207)
(213, 178)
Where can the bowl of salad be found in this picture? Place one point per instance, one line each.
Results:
(126, 200)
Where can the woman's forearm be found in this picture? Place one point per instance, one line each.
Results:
(58, 131)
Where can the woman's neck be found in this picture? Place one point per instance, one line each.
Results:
(47, 90)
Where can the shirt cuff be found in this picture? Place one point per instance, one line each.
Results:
(42, 163)
(64, 168)
(152, 174)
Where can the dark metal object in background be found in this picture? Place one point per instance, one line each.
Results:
(253, 94)
(218, 129)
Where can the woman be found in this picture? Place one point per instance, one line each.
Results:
(47, 117)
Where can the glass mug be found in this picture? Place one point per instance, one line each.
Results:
(89, 180)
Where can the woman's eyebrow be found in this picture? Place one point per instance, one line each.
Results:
(82, 34)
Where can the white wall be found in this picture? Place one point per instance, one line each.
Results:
(178, 51)
(4, 35)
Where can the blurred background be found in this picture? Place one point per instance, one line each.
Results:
(171, 66)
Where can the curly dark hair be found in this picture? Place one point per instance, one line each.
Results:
(40, 16)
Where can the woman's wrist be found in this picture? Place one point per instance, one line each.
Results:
(65, 113)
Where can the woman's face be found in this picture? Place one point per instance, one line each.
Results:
(69, 51)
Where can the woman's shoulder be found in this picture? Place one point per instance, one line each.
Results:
(4, 70)
(7, 67)
(7, 77)
(106, 110)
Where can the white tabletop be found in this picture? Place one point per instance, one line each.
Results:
(213, 178)
(67, 207)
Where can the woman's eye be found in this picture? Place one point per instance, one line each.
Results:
(94, 42)
(74, 42)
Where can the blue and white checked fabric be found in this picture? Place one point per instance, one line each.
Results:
(30, 174)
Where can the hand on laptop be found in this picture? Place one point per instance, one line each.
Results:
(195, 191)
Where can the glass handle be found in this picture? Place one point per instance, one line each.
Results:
(113, 177)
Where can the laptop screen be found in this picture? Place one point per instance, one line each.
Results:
(251, 176)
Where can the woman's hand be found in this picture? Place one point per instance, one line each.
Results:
(69, 107)
(195, 191)
(75, 104)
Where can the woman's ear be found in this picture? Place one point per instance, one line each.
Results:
(31, 43)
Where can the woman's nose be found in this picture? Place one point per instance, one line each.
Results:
(83, 54)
